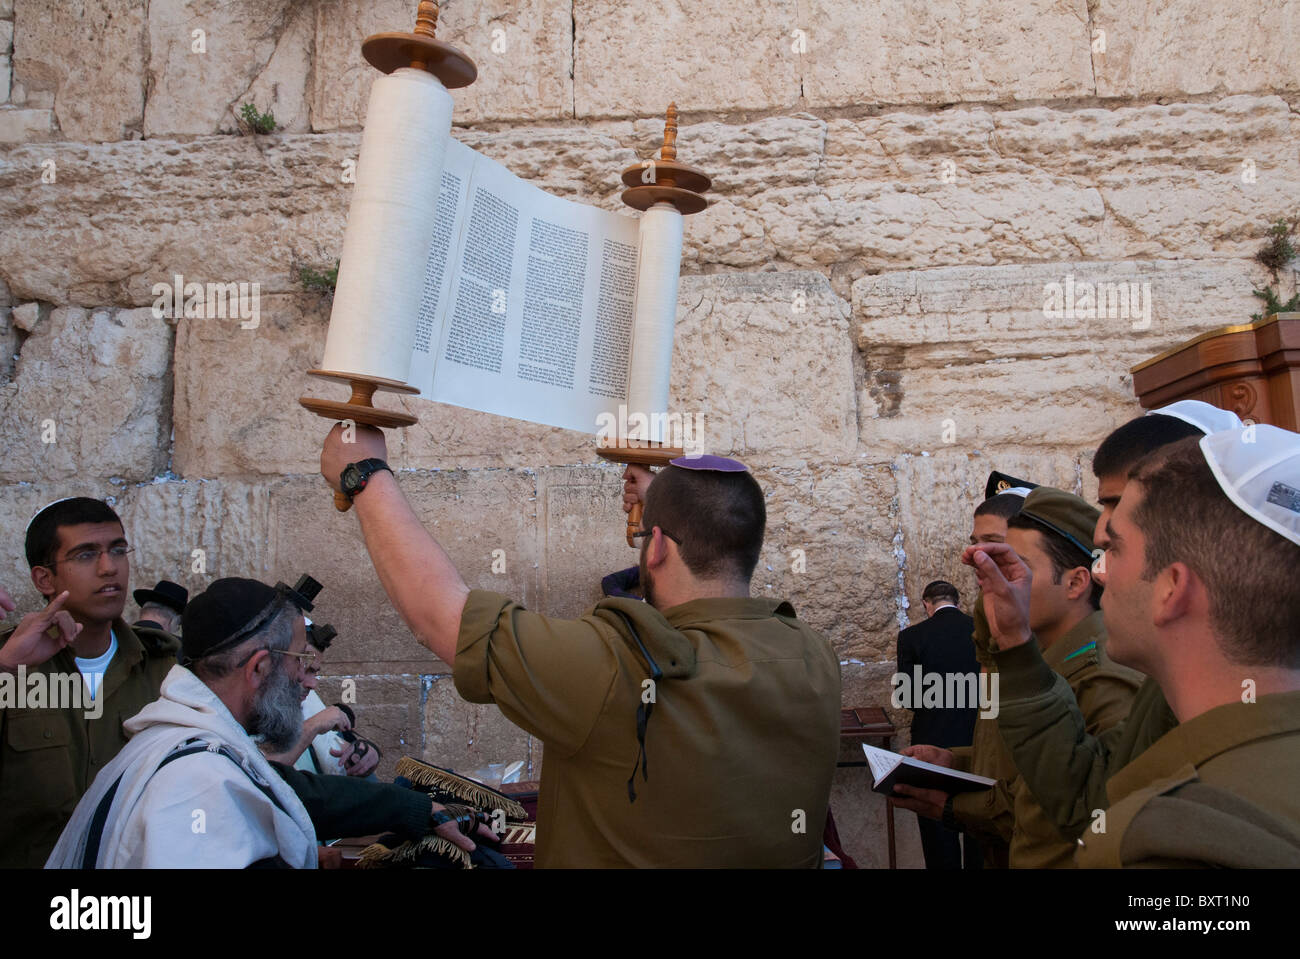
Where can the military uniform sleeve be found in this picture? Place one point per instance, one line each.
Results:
(987, 812)
(346, 806)
(961, 757)
(551, 677)
(1064, 766)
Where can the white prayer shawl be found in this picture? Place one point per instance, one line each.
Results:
(202, 811)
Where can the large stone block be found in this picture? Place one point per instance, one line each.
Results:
(469, 513)
(195, 532)
(96, 97)
(703, 56)
(120, 218)
(763, 362)
(465, 736)
(1243, 48)
(937, 496)
(829, 551)
(523, 51)
(964, 357)
(257, 53)
(585, 529)
(900, 52)
(89, 397)
(840, 196)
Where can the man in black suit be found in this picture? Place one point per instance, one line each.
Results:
(941, 644)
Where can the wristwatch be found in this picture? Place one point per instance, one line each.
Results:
(355, 476)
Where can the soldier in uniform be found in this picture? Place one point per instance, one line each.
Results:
(51, 752)
(1070, 782)
(1050, 533)
(1202, 549)
(724, 709)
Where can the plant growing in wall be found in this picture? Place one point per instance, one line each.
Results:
(319, 281)
(257, 122)
(1274, 255)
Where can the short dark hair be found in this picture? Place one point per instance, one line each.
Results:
(1005, 505)
(43, 533)
(719, 518)
(1120, 451)
(1185, 517)
(1064, 555)
(940, 590)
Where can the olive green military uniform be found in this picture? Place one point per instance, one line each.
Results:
(1065, 766)
(987, 814)
(740, 747)
(49, 757)
(1104, 691)
(1222, 789)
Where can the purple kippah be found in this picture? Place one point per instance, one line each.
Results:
(715, 464)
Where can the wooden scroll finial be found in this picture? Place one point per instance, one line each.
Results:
(669, 151)
(661, 180)
(664, 180)
(387, 52)
(421, 49)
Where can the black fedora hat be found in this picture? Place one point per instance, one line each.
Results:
(166, 593)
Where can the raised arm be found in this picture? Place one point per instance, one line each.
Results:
(418, 575)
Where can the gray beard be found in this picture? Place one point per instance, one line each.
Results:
(277, 712)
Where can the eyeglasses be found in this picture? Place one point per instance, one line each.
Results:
(647, 532)
(310, 660)
(90, 557)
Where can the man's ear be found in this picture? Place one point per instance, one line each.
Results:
(43, 580)
(656, 553)
(1175, 594)
(1078, 582)
(257, 671)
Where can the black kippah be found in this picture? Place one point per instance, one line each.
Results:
(225, 614)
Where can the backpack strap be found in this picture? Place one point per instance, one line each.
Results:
(100, 819)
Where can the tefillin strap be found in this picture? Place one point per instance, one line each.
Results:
(643, 709)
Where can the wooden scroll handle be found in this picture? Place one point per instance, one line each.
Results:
(359, 408)
(641, 453)
(634, 522)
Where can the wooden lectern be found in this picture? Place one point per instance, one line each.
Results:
(1252, 369)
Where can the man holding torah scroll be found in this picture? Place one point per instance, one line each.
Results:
(735, 768)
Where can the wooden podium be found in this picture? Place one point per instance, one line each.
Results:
(1252, 369)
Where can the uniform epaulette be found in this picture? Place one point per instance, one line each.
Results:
(1081, 650)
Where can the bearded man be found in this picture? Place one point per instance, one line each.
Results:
(192, 788)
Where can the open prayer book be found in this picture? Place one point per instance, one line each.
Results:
(889, 768)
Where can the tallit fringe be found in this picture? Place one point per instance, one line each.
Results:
(434, 777)
(379, 856)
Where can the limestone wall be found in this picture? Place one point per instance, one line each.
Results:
(861, 315)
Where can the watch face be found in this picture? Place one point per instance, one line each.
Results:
(351, 478)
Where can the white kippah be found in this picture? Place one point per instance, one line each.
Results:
(1021, 491)
(1205, 417)
(1258, 468)
(62, 499)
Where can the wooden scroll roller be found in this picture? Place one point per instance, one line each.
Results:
(387, 52)
(662, 180)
